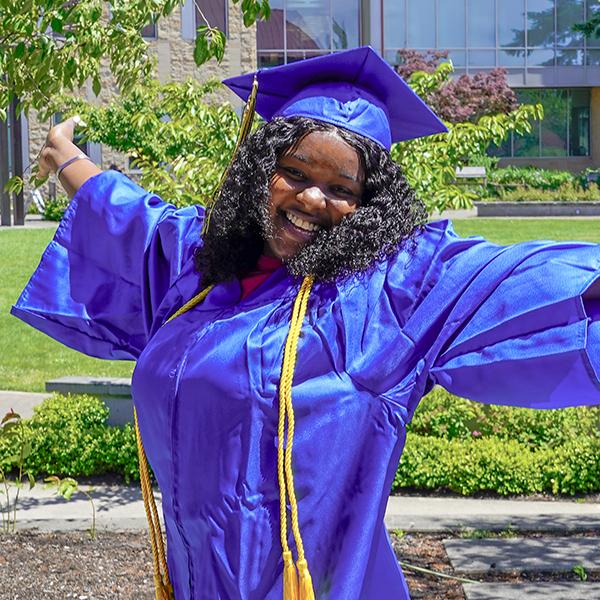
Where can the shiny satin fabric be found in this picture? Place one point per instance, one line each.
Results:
(507, 325)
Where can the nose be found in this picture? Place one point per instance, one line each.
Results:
(312, 198)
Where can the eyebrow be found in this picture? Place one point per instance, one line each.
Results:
(305, 160)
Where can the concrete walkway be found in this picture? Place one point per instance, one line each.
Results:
(121, 507)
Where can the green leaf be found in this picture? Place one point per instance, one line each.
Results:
(96, 85)
(210, 43)
(14, 185)
(19, 50)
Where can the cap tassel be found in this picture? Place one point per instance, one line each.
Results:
(305, 588)
(290, 577)
(245, 127)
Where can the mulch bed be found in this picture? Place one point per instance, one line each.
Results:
(36, 565)
(117, 565)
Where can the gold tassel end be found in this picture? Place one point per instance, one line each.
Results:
(290, 577)
(305, 587)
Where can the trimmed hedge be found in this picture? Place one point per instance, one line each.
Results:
(69, 437)
(453, 444)
(466, 447)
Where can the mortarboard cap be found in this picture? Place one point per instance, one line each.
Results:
(354, 89)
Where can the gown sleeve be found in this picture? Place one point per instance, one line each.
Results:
(515, 325)
(101, 284)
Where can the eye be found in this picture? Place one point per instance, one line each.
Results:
(293, 173)
(342, 191)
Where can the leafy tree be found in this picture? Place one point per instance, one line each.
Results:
(48, 47)
(182, 143)
(466, 98)
(430, 163)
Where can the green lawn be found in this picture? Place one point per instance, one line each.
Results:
(29, 358)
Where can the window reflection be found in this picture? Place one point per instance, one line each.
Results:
(299, 28)
(540, 23)
(344, 24)
(394, 23)
(451, 24)
(568, 13)
(421, 23)
(269, 33)
(307, 24)
(564, 131)
(511, 23)
(482, 23)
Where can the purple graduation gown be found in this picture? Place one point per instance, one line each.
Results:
(507, 325)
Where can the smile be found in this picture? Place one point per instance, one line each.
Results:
(301, 223)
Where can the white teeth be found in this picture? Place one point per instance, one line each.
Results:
(301, 223)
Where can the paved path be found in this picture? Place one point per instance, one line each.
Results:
(442, 514)
(544, 554)
(121, 507)
(20, 402)
(536, 591)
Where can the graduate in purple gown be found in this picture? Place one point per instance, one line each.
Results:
(311, 202)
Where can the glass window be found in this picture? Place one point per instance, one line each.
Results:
(482, 23)
(308, 24)
(554, 124)
(568, 12)
(540, 58)
(458, 57)
(296, 56)
(528, 144)
(345, 15)
(451, 24)
(270, 59)
(593, 58)
(511, 58)
(394, 23)
(511, 23)
(579, 121)
(269, 34)
(593, 7)
(565, 129)
(540, 23)
(569, 58)
(421, 23)
(214, 11)
(482, 58)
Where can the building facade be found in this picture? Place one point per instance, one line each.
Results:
(532, 39)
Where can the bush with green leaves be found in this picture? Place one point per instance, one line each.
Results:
(567, 192)
(510, 178)
(69, 436)
(55, 209)
(465, 447)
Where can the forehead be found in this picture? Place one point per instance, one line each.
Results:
(327, 149)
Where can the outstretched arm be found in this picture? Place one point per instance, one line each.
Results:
(59, 148)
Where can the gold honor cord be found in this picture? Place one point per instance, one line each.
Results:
(245, 128)
(297, 584)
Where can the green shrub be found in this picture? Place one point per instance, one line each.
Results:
(69, 437)
(466, 447)
(55, 209)
(567, 192)
(442, 415)
(540, 179)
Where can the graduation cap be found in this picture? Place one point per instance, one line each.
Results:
(354, 89)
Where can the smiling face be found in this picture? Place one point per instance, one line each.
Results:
(316, 184)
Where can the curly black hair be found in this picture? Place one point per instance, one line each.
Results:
(388, 213)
